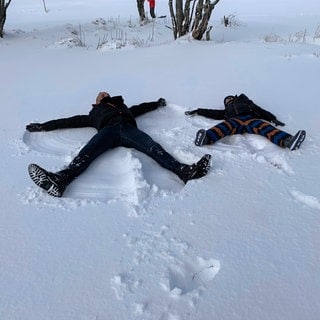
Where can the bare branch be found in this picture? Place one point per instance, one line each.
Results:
(3, 14)
(44, 6)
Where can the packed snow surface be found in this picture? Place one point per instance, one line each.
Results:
(129, 240)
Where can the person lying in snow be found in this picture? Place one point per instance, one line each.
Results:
(116, 126)
(241, 115)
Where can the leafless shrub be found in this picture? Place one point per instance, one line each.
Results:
(77, 39)
(102, 41)
(99, 22)
(231, 21)
(80, 39)
(272, 37)
(299, 36)
(138, 42)
(317, 33)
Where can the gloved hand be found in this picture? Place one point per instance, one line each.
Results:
(162, 102)
(34, 127)
(191, 112)
(278, 123)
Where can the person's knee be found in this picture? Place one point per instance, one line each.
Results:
(156, 148)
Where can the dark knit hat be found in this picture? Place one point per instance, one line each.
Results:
(228, 99)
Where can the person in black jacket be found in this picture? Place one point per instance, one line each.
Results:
(116, 126)
(242, 115)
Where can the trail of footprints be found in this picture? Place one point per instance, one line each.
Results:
(164, 267)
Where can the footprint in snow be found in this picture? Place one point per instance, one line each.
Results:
(188, 277)
(307, 200)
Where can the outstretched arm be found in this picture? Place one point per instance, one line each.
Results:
(261, 113)
(208, 113)
(266, 115)
(142, 108)
(79, 121)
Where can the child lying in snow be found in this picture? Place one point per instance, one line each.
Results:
(244, 116)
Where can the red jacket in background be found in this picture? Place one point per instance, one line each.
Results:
(152, 3)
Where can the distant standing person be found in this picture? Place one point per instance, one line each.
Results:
(241, 115)
(140, 5)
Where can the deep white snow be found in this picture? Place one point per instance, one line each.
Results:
(129, 240)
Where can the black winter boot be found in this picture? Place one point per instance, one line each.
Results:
(201, 138)
(56, 183)
(53, 183)
(294, 142)
(196, 170)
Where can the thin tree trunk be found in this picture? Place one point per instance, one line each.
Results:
(198, 15)
(3, 14)
(44, 6)
(201, 24)
(173, 19)
(187, 18)
(183, 21)
(179, 17)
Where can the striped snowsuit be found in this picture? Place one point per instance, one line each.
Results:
(247, 124)
(243, 116)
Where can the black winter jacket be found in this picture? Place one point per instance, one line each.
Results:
(241, 105)
(110, 110)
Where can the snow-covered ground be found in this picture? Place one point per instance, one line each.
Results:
(129, 240)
